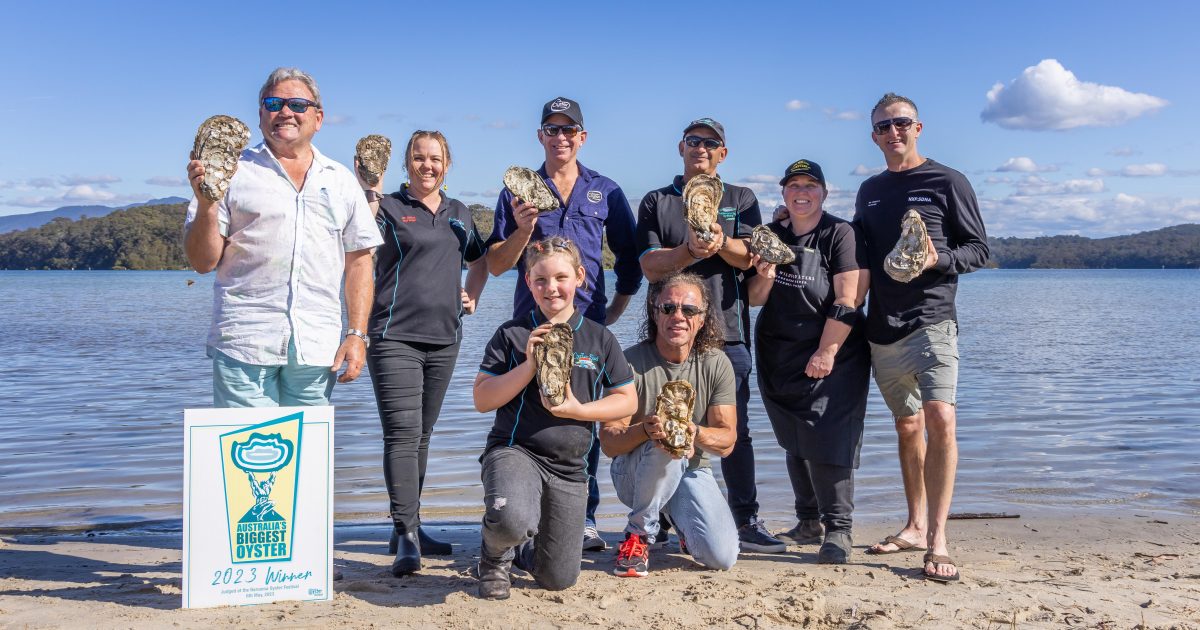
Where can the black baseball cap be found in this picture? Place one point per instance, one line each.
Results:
(804, 167)
(707, 122)
(566, 107)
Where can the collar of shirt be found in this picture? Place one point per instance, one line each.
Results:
(678, 184)
(537, 317)
(407, 197)
(585, 175)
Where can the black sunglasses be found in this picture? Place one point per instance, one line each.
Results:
(298, 105)
(695, 141)
(569, 130)
(669, 309)
(902, 123)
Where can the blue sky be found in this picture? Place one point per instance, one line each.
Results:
(1068, 117)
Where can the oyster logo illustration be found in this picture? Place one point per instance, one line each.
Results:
(261, 472)
(594, 196)
(559, 105)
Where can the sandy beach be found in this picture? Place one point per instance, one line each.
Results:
(1137, 570)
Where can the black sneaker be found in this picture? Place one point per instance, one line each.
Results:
(592, 540)
(807, 532)
(754, 536)
(633, 557)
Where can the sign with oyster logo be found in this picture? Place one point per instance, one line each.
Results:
(258, 505)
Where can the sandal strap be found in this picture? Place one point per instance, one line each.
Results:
(940, 559)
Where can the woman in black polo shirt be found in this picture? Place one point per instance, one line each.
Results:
(813, 359)
(416, 326)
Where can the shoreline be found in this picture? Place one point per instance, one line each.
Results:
(1042, 570)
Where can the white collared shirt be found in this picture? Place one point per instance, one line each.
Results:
(285, 254)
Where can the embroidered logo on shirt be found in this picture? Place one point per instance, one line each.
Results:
(586, 360)
(728, 214)
(920, 199)
(408, 219)
(594, 196)
(872, 203)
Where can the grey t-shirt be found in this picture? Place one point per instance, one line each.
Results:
(711, 374)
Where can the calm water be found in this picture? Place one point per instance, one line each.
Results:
(1078, 390)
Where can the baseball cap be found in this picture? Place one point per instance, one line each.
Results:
(707, 122)
(566, 107)
(804, 167)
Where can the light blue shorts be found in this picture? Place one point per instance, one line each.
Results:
(237, 384)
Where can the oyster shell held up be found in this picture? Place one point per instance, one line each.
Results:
(674, 410)
(219, 142)
(552, 358)
(372, 153)
(907, 259)
(529, 186)
(701, 198)
(769, 247)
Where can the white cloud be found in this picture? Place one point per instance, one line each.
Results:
(797, 105)
(1034, 185)
(338, 119)
(99, 180)
(84, 193)
(842, 114)
(1049, 97)
(1070, 214)
(1124, 151)
(1024, 165)
(503, 124)
(164, 180)
(862, 170)
(993, 179)
(1097, 172)
(1144, 170)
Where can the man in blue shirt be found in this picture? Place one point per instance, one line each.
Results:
(591, 206)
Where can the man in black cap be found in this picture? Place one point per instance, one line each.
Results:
(669, 245)
(591, 206)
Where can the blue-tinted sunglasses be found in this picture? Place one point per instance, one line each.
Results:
(298, 105)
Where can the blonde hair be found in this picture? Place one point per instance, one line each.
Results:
(538, 251)
(421, 134)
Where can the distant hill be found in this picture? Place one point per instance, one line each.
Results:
(14, 222)
(1173, 247)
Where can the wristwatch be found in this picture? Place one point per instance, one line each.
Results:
(361, 335)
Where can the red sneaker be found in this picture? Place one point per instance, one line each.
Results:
(633, 557)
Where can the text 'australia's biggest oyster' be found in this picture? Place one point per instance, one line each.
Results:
(674, 410)
(701, 198)
(372, 154)
(907, 259)
(769, 247)
(219, 142)
(552, 358)
(529, 186)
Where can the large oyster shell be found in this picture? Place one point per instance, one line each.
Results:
(529, 186)
(219, 142)
(701, 197)
(552, 358)
(769, 247)
(907, 259)
(674, 411)
(372, 153)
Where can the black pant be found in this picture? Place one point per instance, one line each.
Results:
(738, 468)
(410, 381)
(593, 464)
(822, 491)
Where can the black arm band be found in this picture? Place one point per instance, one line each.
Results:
(842, 313)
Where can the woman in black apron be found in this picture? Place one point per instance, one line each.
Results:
(813, 359)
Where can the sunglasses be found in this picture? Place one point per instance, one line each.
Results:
(902, 123)
(695, 141)
(568, 130)
(298, 105)
(669, 309)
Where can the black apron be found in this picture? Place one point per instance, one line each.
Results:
(815, 419)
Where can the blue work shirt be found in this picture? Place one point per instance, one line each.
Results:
(597, 207)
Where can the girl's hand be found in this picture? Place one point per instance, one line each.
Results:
(570, 407)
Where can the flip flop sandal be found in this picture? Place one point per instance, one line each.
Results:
(937, 559)
(901, 546)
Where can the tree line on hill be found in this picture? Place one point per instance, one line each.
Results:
(151, 237)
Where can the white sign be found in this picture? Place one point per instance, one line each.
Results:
(257, 505)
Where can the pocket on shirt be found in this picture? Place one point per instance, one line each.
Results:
(326, 214)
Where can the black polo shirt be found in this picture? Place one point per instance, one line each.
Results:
(418, 269)
(557, 444)
(662, 224)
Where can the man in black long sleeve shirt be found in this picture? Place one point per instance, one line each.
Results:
(913, 326)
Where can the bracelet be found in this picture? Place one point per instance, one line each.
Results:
(645, 430)
(691, 253)
(724, 239)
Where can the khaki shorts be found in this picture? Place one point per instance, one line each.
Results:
(920, 367)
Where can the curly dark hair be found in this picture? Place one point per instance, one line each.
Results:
(711, 335)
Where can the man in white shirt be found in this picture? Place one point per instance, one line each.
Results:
(291, 225)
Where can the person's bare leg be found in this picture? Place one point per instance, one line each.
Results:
(941, 465)
(910, 431)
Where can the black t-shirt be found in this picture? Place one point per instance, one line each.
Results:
(946, 202)
(418, 269)
(662, 224)
(557, 444)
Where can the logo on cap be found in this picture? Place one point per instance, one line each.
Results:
(799, 165)
(594, 196)
(560, 105)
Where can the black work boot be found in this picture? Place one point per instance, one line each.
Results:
(493, 579)
(807, 532)
(408, 554)
(836, 548)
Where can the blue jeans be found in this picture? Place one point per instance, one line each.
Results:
(237, 384)
(648, 481)
(738, 468)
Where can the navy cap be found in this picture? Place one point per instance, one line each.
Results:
(564, 106)
(804, 167)
(707, 122)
